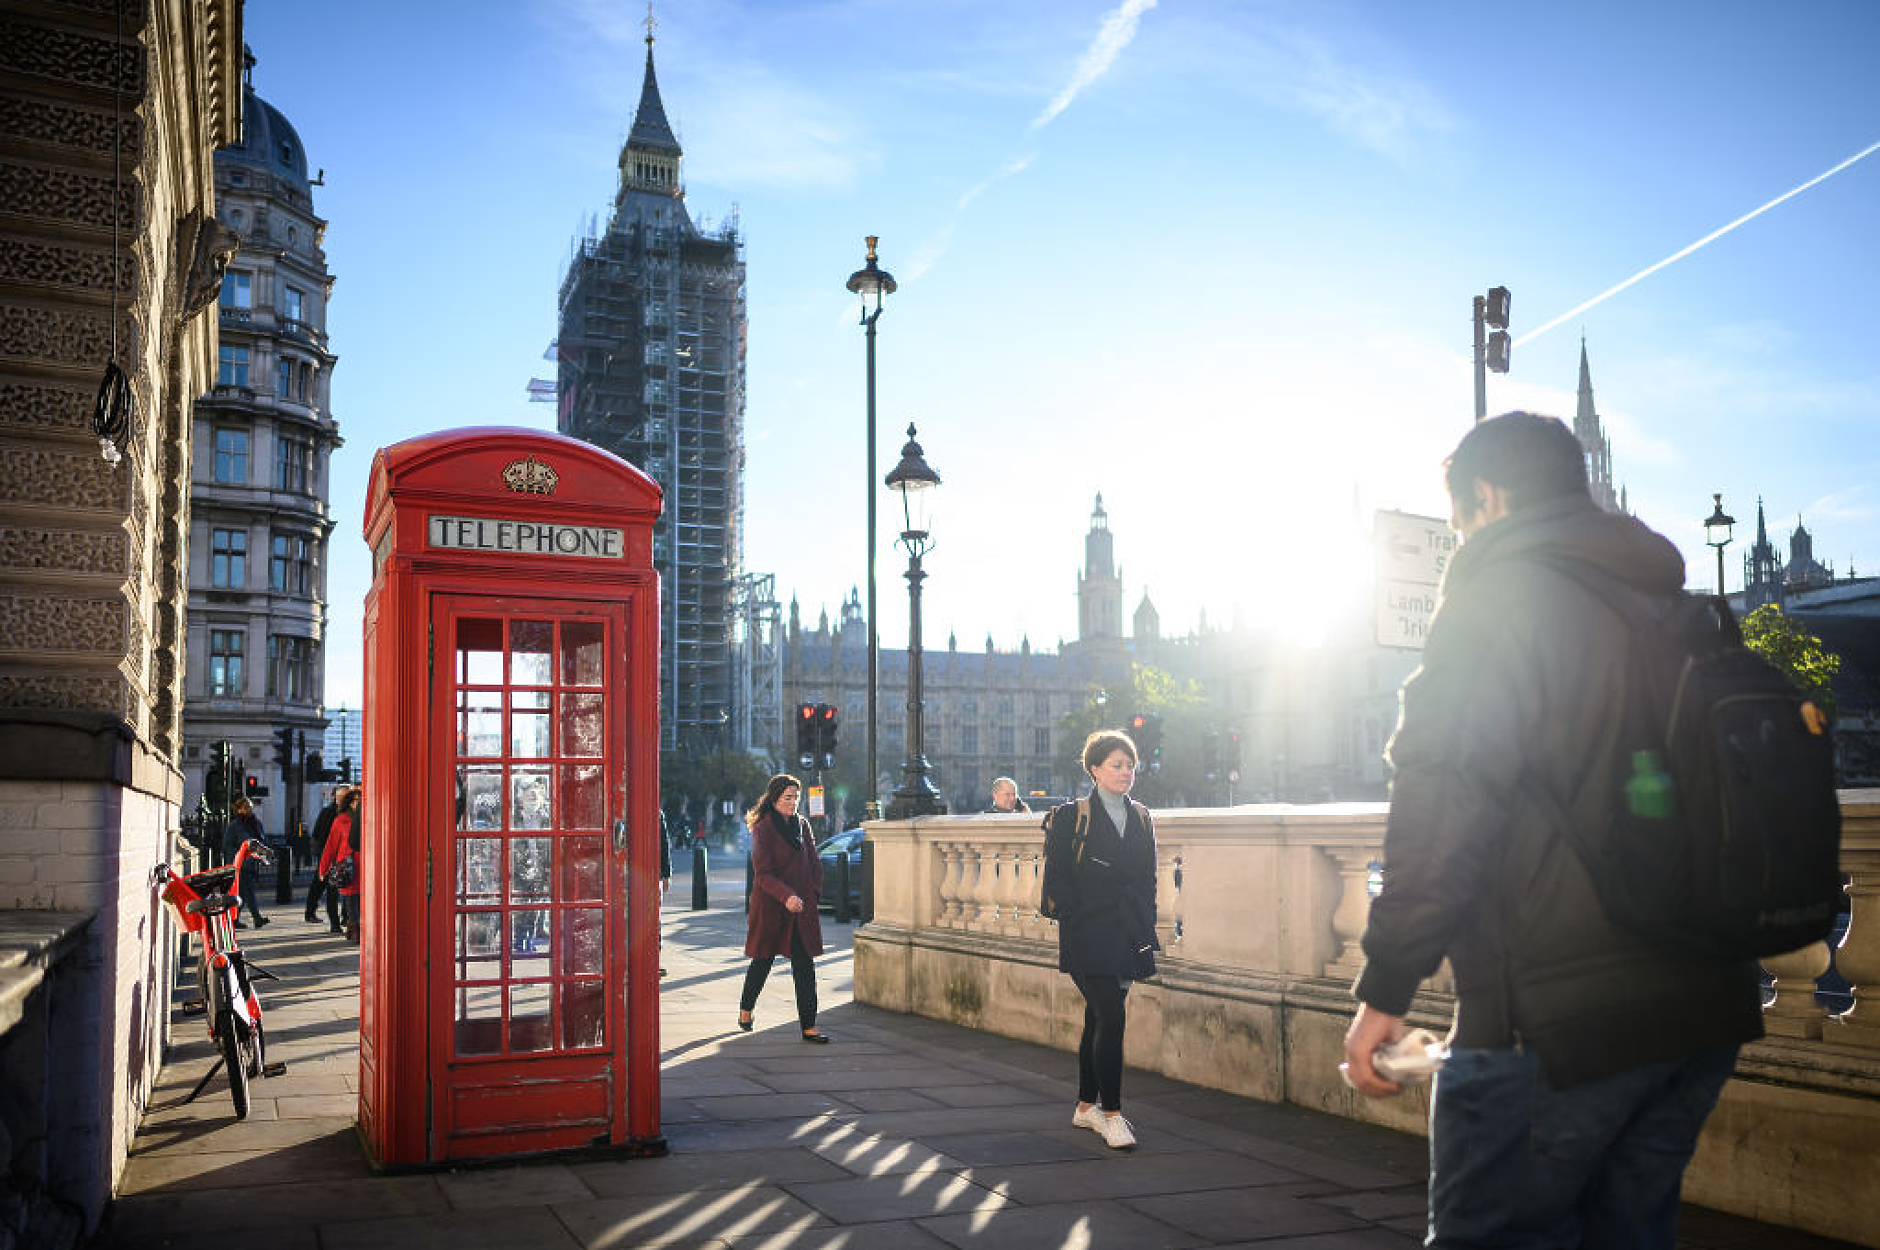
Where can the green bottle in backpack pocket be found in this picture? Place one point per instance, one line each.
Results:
(1651, 793)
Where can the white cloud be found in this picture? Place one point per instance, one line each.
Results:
(1118, 28)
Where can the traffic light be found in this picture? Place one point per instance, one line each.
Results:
(1211, 754)
(315, 768)
(284, 749)
(807, 732)
(345, 770)
(827, 718)
(1495, 315)
(1230, 756)
(1146, 729)
(252, 787)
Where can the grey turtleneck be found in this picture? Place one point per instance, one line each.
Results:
(1116, 807)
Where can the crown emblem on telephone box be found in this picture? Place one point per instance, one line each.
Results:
(530, 476)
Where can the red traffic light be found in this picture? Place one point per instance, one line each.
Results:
(1138, 721)
(806, 710)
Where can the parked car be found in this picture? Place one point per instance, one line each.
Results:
(849, 840)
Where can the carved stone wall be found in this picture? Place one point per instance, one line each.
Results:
(110, 111)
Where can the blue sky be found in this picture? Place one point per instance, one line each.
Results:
(1212, 259)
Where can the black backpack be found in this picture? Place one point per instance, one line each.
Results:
(1724, 833)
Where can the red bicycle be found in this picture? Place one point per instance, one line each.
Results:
(207, 904)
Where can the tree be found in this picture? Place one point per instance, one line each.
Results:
(692, 786)
(1799, 654)
(1186, 714)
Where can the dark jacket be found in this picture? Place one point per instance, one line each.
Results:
(1507, 729)
(1106, 901)
(323, 824)
(779, 870)
(240, 829)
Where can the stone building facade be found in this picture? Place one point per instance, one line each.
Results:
(110, 254)
(262, 439)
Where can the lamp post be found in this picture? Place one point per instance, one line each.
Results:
(915, 481)
(1717, 534)
(871, 282)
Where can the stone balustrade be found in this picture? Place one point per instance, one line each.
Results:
(1260, 911)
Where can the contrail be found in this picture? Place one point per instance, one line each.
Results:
(1119, 27)
(1711, 237)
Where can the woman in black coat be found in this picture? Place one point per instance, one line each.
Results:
(1099, 882)
(786, 881)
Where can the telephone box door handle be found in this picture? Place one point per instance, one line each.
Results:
(620, 835)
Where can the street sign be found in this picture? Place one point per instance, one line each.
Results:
(815, 800)
(1412, 548)
(1411, 555)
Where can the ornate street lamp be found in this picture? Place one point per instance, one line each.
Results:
(915, 482)
(1717, 534)
(871, 282)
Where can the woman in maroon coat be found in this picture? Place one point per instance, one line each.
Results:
(786, 881)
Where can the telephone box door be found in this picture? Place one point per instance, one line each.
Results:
(528, 857)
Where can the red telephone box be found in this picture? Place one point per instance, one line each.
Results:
(508, 975)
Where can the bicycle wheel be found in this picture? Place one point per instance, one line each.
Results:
(235, 1059)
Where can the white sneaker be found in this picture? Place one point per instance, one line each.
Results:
(1090, 1117)
(1116, 1133)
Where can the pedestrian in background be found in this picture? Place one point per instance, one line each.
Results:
(786, 881)
(317, 889)
(1005, 798)
(1099, 875)
(340, 864)
(244, 824)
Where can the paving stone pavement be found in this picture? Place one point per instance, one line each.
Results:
(904, 1133)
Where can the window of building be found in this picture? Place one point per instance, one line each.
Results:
(225, 661)
(238, 289)
(228, 558)
(969, 739)
(1043, 705)
(1041, 741)
(293, 464)
(1005, 740)
(293, 303)
(1005, 705)
(231, 455)
(232, 365)
(290, 667)
(290, 564)
(284, 380)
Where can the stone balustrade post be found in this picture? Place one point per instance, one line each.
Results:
(1353, 911)
(1794, 1013)
(1859, 956)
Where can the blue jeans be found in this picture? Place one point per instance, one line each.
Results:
(1518, 1165)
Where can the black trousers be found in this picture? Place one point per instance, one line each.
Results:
(802, 971)
(1100, 1051)
(315, 892)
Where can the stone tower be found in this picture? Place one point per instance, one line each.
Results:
(651, 367)
(1100, 584)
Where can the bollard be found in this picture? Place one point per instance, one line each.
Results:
(842, 887)
(868, 882)
(699, 884)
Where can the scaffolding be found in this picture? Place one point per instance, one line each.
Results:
(651, 358)
(757, 653)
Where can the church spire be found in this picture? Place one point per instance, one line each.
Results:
(1594, 444)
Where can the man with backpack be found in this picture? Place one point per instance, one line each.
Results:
(1585, 1056)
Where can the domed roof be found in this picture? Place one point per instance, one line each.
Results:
(267, 140)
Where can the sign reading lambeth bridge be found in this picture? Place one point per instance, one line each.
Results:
(541, 538)
(1412, 553)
